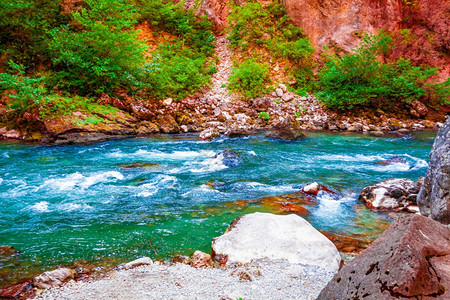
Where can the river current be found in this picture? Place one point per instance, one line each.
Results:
(164, 195)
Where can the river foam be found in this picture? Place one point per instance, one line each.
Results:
(77, 179)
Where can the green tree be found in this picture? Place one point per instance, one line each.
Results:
(100, 52)
(24, 27)
(362, 79)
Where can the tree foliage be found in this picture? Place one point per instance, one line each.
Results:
(362, 79)
(100, 52)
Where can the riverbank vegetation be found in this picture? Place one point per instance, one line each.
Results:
(50, 50)
(152, 50)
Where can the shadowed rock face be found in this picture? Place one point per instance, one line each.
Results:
(434, 196)
(410, 259)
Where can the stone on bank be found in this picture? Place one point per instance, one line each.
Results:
(275, 237)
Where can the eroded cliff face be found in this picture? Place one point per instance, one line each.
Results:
(420, 28)
(426, 39)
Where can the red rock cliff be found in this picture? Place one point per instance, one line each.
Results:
(338, 22)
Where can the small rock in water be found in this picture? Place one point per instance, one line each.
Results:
(143, 261)
(53, 278)
(201, 260)
(230, 159)
(312, 188)
(394, 159)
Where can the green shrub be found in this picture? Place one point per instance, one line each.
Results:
(176, 71)
(264, 115)
(22, 91)
(174, 19)
(271, 29)
(101, 55)
(249, 78)
(361, 78)
(24, 27)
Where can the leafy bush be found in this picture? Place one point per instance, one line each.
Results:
(361, 78)
(174, 19)
(176, 71)
(271, 29)
(22, 91)
(249, 78)
(24, 27)
(104, 54)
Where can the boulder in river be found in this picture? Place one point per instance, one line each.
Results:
(289, 237)
(411, 259)
(395, 194)
(289, 129)
(434, 196)
(229, 158)
(53, 278)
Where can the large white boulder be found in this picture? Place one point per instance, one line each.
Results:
(264, 235)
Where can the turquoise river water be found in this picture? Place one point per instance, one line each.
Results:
(103, 203)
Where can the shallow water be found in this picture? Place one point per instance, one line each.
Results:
(60, 204)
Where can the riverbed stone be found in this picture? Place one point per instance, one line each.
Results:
(409, 260)
(53, 278)
(209, 134)
(263, 235)
(390, 194)
(22, 290)
(288, 129)
(201, 260)
(434, 196)
(143, 261)
(311, 188)
(229, 158)
(167, 124)
(279, 92)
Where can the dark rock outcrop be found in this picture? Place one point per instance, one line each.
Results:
(289, 130)
(409, 260)
(229, 158)
(434, 196)
(396, 194)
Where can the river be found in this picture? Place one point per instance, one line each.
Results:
(171, 194)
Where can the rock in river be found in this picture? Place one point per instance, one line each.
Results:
(289, 129)
(434, 196)
(229, 158)
(411, 259)
(263, 235)
(395, 194)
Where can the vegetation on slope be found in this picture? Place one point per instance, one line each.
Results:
(47, 53)
(362, 79)
(267, 34)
